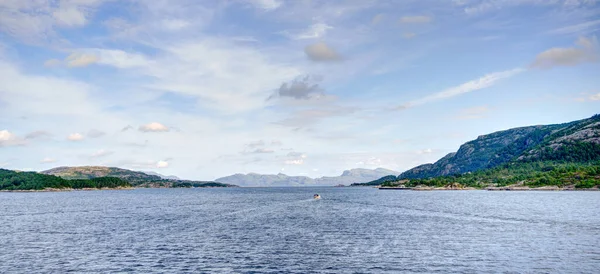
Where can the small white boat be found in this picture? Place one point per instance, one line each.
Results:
(317, 196)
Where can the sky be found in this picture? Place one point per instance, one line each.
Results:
(205, 89)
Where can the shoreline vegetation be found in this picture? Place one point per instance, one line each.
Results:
(507, 188)
(534, 176)
(17, 181)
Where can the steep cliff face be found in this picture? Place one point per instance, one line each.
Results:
(574, 141)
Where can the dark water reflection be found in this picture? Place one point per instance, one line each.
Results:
(284, 230)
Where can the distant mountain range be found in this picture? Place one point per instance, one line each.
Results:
(347, 177)
(169, 177)
(136, 178)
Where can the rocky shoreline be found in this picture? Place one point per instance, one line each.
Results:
(505, 188)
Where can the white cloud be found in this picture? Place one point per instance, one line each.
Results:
(487, 80)
(267, 5)
(36, 21)
(154, 127)
(81, 59)
(294, 162)
(69, 17)
(48, 160)
(419, 19)
(295, 158)
(321, 52)
(42, 95)
(315, 31)
(75, 137)
(9, 139)
(586, 52)
(175, 24)
(122, 59)
(220, 74)
(595, 97)
(162, 164)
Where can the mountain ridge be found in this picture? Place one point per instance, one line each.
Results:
(347, 177)
(573, 141)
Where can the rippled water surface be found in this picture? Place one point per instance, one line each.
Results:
(284, 230)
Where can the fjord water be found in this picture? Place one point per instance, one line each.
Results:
(285, 230)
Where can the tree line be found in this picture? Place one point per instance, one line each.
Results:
(13, 180)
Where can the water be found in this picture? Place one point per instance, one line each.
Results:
(350, 230)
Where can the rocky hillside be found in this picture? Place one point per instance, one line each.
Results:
(577, 141)
(136, 178)
(347, 177)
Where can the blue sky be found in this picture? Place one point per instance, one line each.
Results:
(204, 89)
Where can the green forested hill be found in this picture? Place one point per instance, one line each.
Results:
(561, 155)
(529, 174)
(577, 141)
(14, 180)
(136, 178)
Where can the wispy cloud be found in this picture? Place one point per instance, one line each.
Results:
(581, 28)
(267, 5)
(485, 81)
(80, 60)
(479, 7)
(37, 21)
(314, 31)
